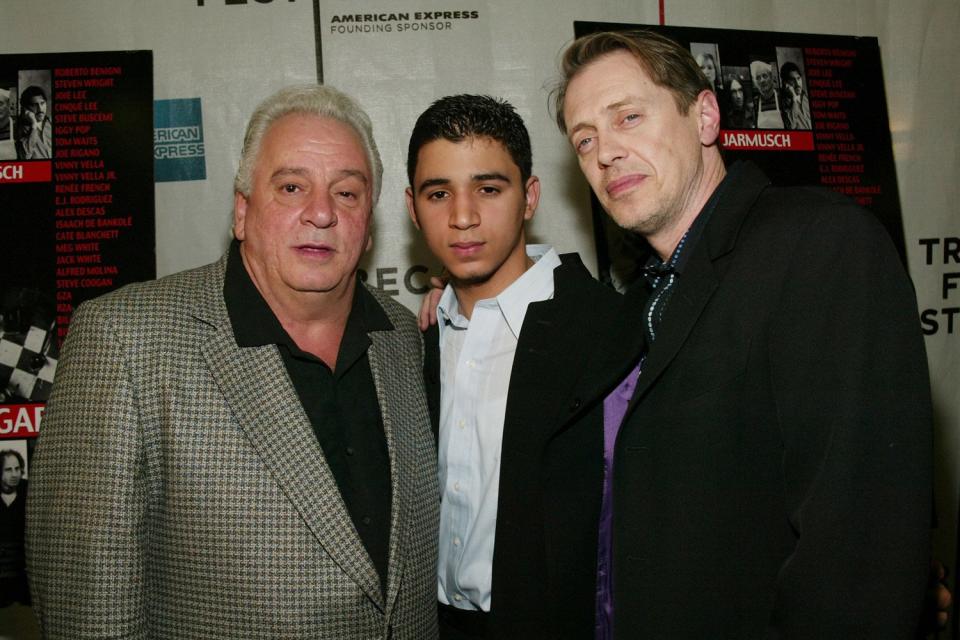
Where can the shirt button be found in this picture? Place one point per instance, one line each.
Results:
(365, 519)
(457, 597)
(456, 486)
(471, 364)
(349, 451)
(461, 424)
(456, 542)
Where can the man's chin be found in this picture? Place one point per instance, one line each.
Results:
(469, 279)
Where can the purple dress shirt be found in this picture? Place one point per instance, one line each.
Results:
(614, 408)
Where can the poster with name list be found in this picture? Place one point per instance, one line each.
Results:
(77, 213)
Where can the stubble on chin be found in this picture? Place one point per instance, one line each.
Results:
(470, 280)
(644, 224)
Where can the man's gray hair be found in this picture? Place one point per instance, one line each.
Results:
(757, 66)
(309, 99)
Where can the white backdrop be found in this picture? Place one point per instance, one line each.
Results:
(232, 53)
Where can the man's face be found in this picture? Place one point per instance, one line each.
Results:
(306, 222)
(12, 474)
(469, 201)
(4, 107)
(795, 80)
(764, 81)
(736, 94)
(37, 105)
(642, 157)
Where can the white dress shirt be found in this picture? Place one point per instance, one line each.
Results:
(476, 357)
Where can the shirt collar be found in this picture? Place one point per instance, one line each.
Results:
(534, 285)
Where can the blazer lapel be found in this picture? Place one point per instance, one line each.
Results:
(394, 375)
(255, 384)
(615, 356)
(544, 360)
(696, 286)
(701, 277)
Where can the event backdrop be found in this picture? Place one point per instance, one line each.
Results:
(213, 60)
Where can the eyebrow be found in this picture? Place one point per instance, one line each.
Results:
(487, 177)
(477, 177)
(303, 172)
(613, 106)
(432, 182)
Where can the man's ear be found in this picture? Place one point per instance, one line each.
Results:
(708, 117)
(239, 215)
(532, 192)
(411, 209)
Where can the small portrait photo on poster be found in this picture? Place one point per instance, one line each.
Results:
(707, 55)
(737, 99)
(13, 496)
(8, 102)
(796, 100)
(767, 100)
(34, 130)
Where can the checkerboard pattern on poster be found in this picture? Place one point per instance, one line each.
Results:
(24, 370)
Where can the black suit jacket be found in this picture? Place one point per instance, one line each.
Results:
(551, 466)
(773, 475)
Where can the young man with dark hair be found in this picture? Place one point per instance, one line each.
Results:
(520, 456)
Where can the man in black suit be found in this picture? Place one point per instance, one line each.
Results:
(771, 475)
(520, 479)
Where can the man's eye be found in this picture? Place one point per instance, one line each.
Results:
(583, 144)
(438, 195)
(350, 195)
(290, 188)
(489, 190)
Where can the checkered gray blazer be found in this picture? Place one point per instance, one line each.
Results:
(178, 490)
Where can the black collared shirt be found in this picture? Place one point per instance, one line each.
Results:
(660, 276)
(341, 405)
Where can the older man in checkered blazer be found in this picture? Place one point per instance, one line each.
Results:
(243, 450)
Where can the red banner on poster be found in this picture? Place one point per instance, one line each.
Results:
(20, 420)
(767, 140)
(25, 171)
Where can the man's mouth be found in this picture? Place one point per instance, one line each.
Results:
(466, 248)
(623, 184)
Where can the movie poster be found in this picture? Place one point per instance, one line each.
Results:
(808, 109)
(77, 213)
